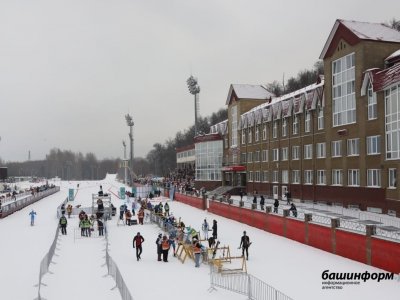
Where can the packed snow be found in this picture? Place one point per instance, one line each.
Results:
(79, 267)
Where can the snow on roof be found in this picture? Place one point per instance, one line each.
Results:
(372, 31)
(393, 55)
(249, 91)
(381, 79)
(363, 31)
(279, 100)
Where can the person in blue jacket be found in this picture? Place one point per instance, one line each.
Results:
(32, 214)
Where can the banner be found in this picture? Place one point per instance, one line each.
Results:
(122, 192)
(71, 195)
(171, 192)
(134, 190)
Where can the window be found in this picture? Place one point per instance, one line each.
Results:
(321, 150)
(264, 155)
(373, 145)
(249, 157)
(295, 124)
(243, 136)
(308, 151)
(257, 176)
(275, 176)
(373, 177)
(285, 176)
(337, 177)
(265, 176)
(275, 154)
(307, 121)
(392, 178)
(275, 130)
(353, 147)
(251, 176)
(295, 152)
(343, 90)
(257, 134)
(242, 157)
(392, 122)
(264, 132)
(250, 136)
(320, 118)
(296, 176)
(372, 104)
(336, 148)
(285, 153)
(234, 126)
(321, 177)
(256, 156)
(308, 178)
(353, 178)
(284, 127)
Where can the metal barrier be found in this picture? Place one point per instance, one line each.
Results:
(12, 207)
(245, 284)
(45, 263)
(114, 272)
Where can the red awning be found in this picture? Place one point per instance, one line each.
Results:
(234, 168)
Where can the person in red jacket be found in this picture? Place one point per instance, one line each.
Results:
(138, 241)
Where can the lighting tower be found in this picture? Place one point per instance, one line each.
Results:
(194, 89)
(130, 123)
(125, 166)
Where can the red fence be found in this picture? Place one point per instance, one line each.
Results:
(373, 251)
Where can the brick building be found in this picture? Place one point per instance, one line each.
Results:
(337, 140)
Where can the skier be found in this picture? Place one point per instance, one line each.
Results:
(205, 228)
(214, 230)
(138, 240)
(63, 224)
(33, 215)
(245, 244)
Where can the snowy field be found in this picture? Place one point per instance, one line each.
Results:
(78, 270)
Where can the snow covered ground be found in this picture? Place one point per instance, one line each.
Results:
(293, 268)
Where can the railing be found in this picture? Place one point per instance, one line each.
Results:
(12, 207)
(245, 284)
(115, 273)
(45, 263)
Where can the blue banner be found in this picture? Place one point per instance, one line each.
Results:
(171, 192)
(71, 195)
(134, 190)
(122, 192)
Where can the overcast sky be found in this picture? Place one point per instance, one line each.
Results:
(71, 69)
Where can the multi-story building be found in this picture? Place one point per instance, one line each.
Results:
(337, 140)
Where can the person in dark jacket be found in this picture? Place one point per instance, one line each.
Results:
(215, 230)
(244, 244)
(159, 249)
(137, 241)
(100, 226)
(276, 204)
(293, 209)
(262, 202)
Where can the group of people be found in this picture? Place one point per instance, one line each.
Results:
(86, 224)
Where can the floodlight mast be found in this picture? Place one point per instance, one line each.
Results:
(194, 89)
(130, 123)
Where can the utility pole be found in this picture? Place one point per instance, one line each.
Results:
(130, 123)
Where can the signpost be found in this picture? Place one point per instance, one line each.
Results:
(71, 195)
